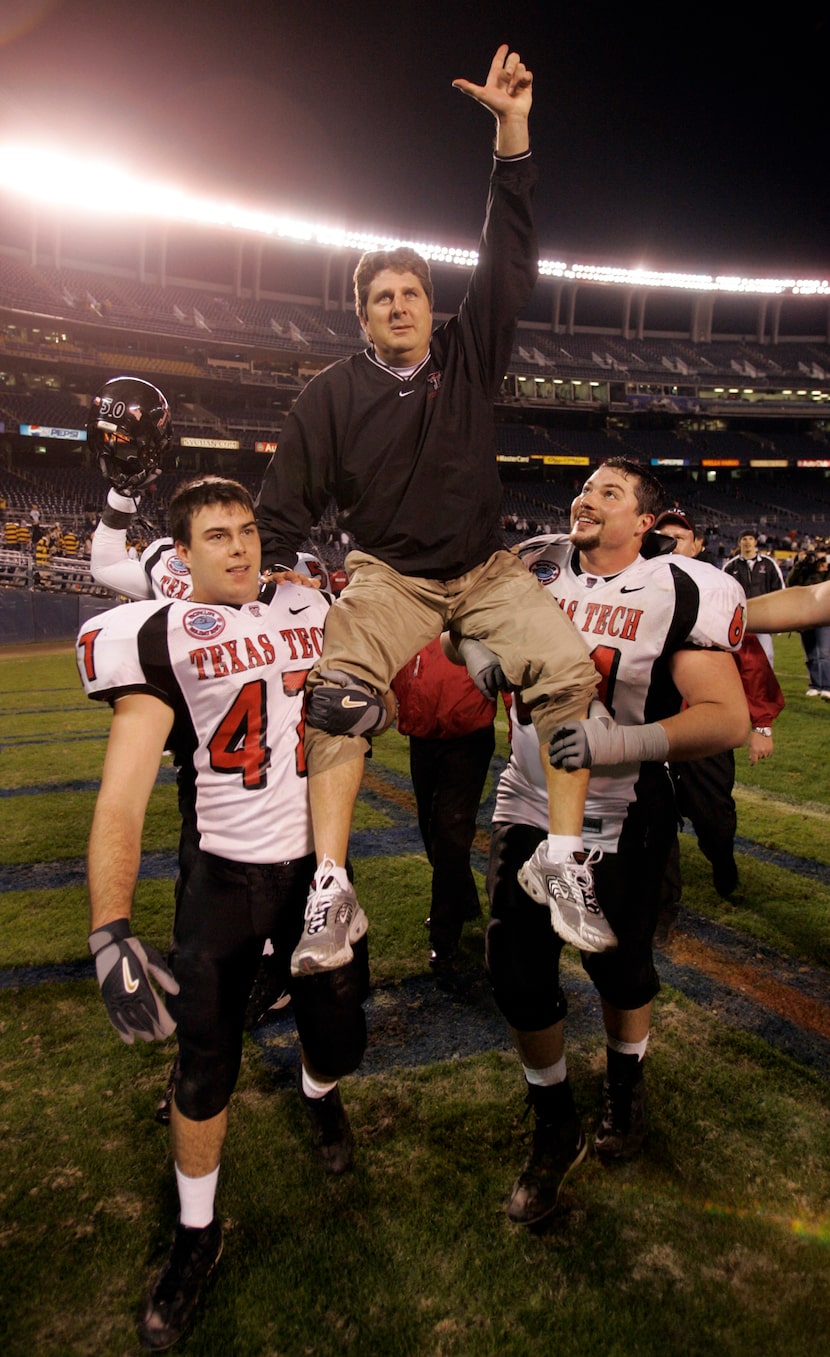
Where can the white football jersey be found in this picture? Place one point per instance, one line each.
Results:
(632, 623)
(234, 677)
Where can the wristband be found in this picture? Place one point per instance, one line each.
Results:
(119, 510)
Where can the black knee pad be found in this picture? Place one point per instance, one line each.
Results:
(524, 980)
(205, 1082)
(328, 1007)
(345, 705)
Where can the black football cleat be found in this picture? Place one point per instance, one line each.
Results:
(168, 1310)
(331, 1134)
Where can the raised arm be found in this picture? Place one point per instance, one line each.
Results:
(109, 562)
(803, 606)
(508, 93)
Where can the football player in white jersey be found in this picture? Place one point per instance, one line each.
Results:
(129, 430)
(801, 607)
(218, 679)
(659, 632)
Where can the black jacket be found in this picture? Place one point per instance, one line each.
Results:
(411, 463)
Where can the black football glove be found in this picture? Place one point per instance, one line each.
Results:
(124, 966)
(128, 477)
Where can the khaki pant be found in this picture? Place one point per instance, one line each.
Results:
(383, 618)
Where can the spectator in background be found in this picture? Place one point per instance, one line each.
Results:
(757, 575)
(69, 542)
(815, 641)
(702, 552)
(451, 741)
(42, 555)
(36, 528)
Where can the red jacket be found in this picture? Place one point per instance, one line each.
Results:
(438, 700)
(763, 692)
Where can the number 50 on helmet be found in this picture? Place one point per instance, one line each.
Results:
(129, 429)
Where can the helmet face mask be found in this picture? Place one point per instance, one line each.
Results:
(129, 429)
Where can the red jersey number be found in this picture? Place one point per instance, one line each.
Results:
(238, 744)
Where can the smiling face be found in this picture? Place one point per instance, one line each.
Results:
(607, 524)
(398, 318)
(223, 555)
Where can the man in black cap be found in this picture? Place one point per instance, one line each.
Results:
(757, 575)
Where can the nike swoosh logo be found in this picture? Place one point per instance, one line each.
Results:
(351, 702)
(294, 611)
(130, 985)
(410, 392)
(638, 588)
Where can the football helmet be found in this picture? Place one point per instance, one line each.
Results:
(313, 566)
(129, 429)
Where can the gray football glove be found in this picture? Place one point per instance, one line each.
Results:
(483, 666)
(600, 742)
(124, 966)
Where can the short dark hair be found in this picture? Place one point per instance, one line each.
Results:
(196, 495)
(649, 492)
(401, 260)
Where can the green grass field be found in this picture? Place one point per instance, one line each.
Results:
(715, 1243)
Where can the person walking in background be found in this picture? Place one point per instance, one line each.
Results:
(703, 787)
(815, 641)
(449, 724)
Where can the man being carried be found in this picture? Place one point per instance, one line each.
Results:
(402, 436)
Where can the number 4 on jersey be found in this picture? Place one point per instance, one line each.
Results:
(239, 742)
(238, 745)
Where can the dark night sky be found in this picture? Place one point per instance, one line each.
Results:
(688, 140)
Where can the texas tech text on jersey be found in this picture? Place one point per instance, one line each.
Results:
(235, 680)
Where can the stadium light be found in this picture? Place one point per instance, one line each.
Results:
(104, 188)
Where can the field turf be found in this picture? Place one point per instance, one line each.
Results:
(715, 1243)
